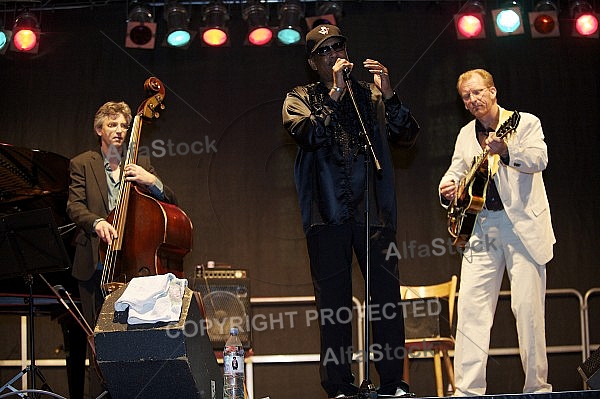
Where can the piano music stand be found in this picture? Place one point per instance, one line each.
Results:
(30, 244)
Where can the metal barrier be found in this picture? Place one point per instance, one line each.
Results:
(586, 321)
(359, 308)
(295, 358)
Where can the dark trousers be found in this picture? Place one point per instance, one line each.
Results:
(91, 305)
(330, 250)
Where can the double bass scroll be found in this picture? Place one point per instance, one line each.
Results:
(152, 236)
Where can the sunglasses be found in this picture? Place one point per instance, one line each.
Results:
(337, 46)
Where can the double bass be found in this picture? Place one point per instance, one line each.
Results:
(152, 236)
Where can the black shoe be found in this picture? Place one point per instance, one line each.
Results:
(346, 391)
(400, 393)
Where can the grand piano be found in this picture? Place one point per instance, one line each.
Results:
(33, 180)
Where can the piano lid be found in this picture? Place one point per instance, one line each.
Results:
(33, 179)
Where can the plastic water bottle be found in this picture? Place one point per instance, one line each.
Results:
(233, 367)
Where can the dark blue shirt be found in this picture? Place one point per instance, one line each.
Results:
(330, 164)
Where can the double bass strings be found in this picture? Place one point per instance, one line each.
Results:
(120, 212)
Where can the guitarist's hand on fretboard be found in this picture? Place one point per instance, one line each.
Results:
(496, 145)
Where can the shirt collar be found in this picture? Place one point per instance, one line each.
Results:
(480, 129)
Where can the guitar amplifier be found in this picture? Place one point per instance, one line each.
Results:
(225, 295)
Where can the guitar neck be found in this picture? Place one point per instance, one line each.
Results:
(476, 166)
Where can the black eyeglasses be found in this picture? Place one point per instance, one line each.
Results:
(337, 46)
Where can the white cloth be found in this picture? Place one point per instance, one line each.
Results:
(153, 299)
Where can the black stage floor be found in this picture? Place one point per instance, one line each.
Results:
(589, 394)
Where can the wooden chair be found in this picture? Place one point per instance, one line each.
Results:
(440, 345)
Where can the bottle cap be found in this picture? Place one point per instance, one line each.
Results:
(233, 331)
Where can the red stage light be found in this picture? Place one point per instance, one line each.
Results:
(544, 24)
(26, 33)
(585, 19)
(24, 40)
(260, 36)
(469, 22)
(543, 20)
(469, 26)
(586, 24)
(256, 16)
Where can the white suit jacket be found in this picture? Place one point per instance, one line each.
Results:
(519, 184)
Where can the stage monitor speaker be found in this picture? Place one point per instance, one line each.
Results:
(590, 370)
(426, 318)
(162, 360)
(225, 297)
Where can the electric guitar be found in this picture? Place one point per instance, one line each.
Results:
(470, 194)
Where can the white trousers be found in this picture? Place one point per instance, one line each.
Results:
(493, 247)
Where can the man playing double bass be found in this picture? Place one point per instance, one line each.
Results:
(96, 177)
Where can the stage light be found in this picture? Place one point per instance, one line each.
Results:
(469, 22)
(585, 20)
(331, 8)
(26, 34)
(141, 28)
(328, 12)
(215, 32)
(508, 21)
(290, 14)
(543, 20)
(257, 18)
(5, 38)
(178, 20)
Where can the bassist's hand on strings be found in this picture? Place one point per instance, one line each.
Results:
(105, 231)
(448, 189)
(137, 174)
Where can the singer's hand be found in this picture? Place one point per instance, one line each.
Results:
(341, 65)
(381, 77)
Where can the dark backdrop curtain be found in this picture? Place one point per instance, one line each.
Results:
(220, 145)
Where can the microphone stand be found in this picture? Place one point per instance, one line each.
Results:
(366, 389)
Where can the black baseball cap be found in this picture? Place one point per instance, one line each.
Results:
(319, 34)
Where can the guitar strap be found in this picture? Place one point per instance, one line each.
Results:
(494, 159)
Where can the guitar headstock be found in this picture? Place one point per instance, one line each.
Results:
(509, 125)
(149, 108)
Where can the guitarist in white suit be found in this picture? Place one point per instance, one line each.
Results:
(513, 231)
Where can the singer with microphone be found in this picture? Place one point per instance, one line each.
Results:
(343, 128)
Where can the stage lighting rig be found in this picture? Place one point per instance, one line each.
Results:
(141, 28)
(215, 32)
(585, 19)
(178, 20)
(26, 33)
(290, 14)
(469, 22)
(543, 20)
(257, 17)
(508, 20)
(5, 38)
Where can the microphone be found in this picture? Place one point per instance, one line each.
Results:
(60, 288)
(346, 73)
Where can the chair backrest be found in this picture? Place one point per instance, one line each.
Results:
(442, 290)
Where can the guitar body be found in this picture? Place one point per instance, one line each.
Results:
(471, 190)
(463, 212)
